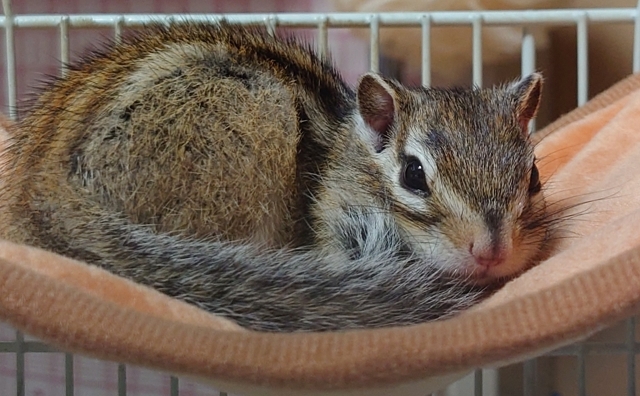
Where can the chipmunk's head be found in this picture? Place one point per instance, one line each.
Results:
(460, 172)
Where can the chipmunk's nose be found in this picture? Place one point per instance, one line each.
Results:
(488, 255)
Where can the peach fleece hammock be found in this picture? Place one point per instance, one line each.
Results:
(591, 281)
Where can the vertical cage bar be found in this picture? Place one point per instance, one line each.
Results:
(583, 60)
(175, 386)
(636, 40)
(528, 58)
(426, 50)
(20, 389)
(528, 62)
(64, 44)
(122, 380)
(323, 37)
(477, 382)
(272, 23)
(117, 29)
(529, 377)
(631, 357)
(68, 374)
(10, 61)
(477, 51)
(374, 28)
(582, 381)
(490, 382)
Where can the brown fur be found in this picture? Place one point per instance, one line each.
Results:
(158, 140)
(193, 158)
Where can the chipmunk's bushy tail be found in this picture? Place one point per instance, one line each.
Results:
(279, 290)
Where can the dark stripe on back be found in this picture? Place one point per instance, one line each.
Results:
(312, 159)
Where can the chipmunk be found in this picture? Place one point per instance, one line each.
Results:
(237, 171)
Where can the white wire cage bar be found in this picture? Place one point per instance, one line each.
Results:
(580, 18)
(483, 381)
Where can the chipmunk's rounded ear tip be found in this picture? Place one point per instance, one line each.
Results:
(528, 92)
(377, 104)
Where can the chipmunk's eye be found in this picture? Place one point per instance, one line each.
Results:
(534, 181)
(413, 177)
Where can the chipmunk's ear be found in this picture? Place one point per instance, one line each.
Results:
(377, 105)
(527, 92)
